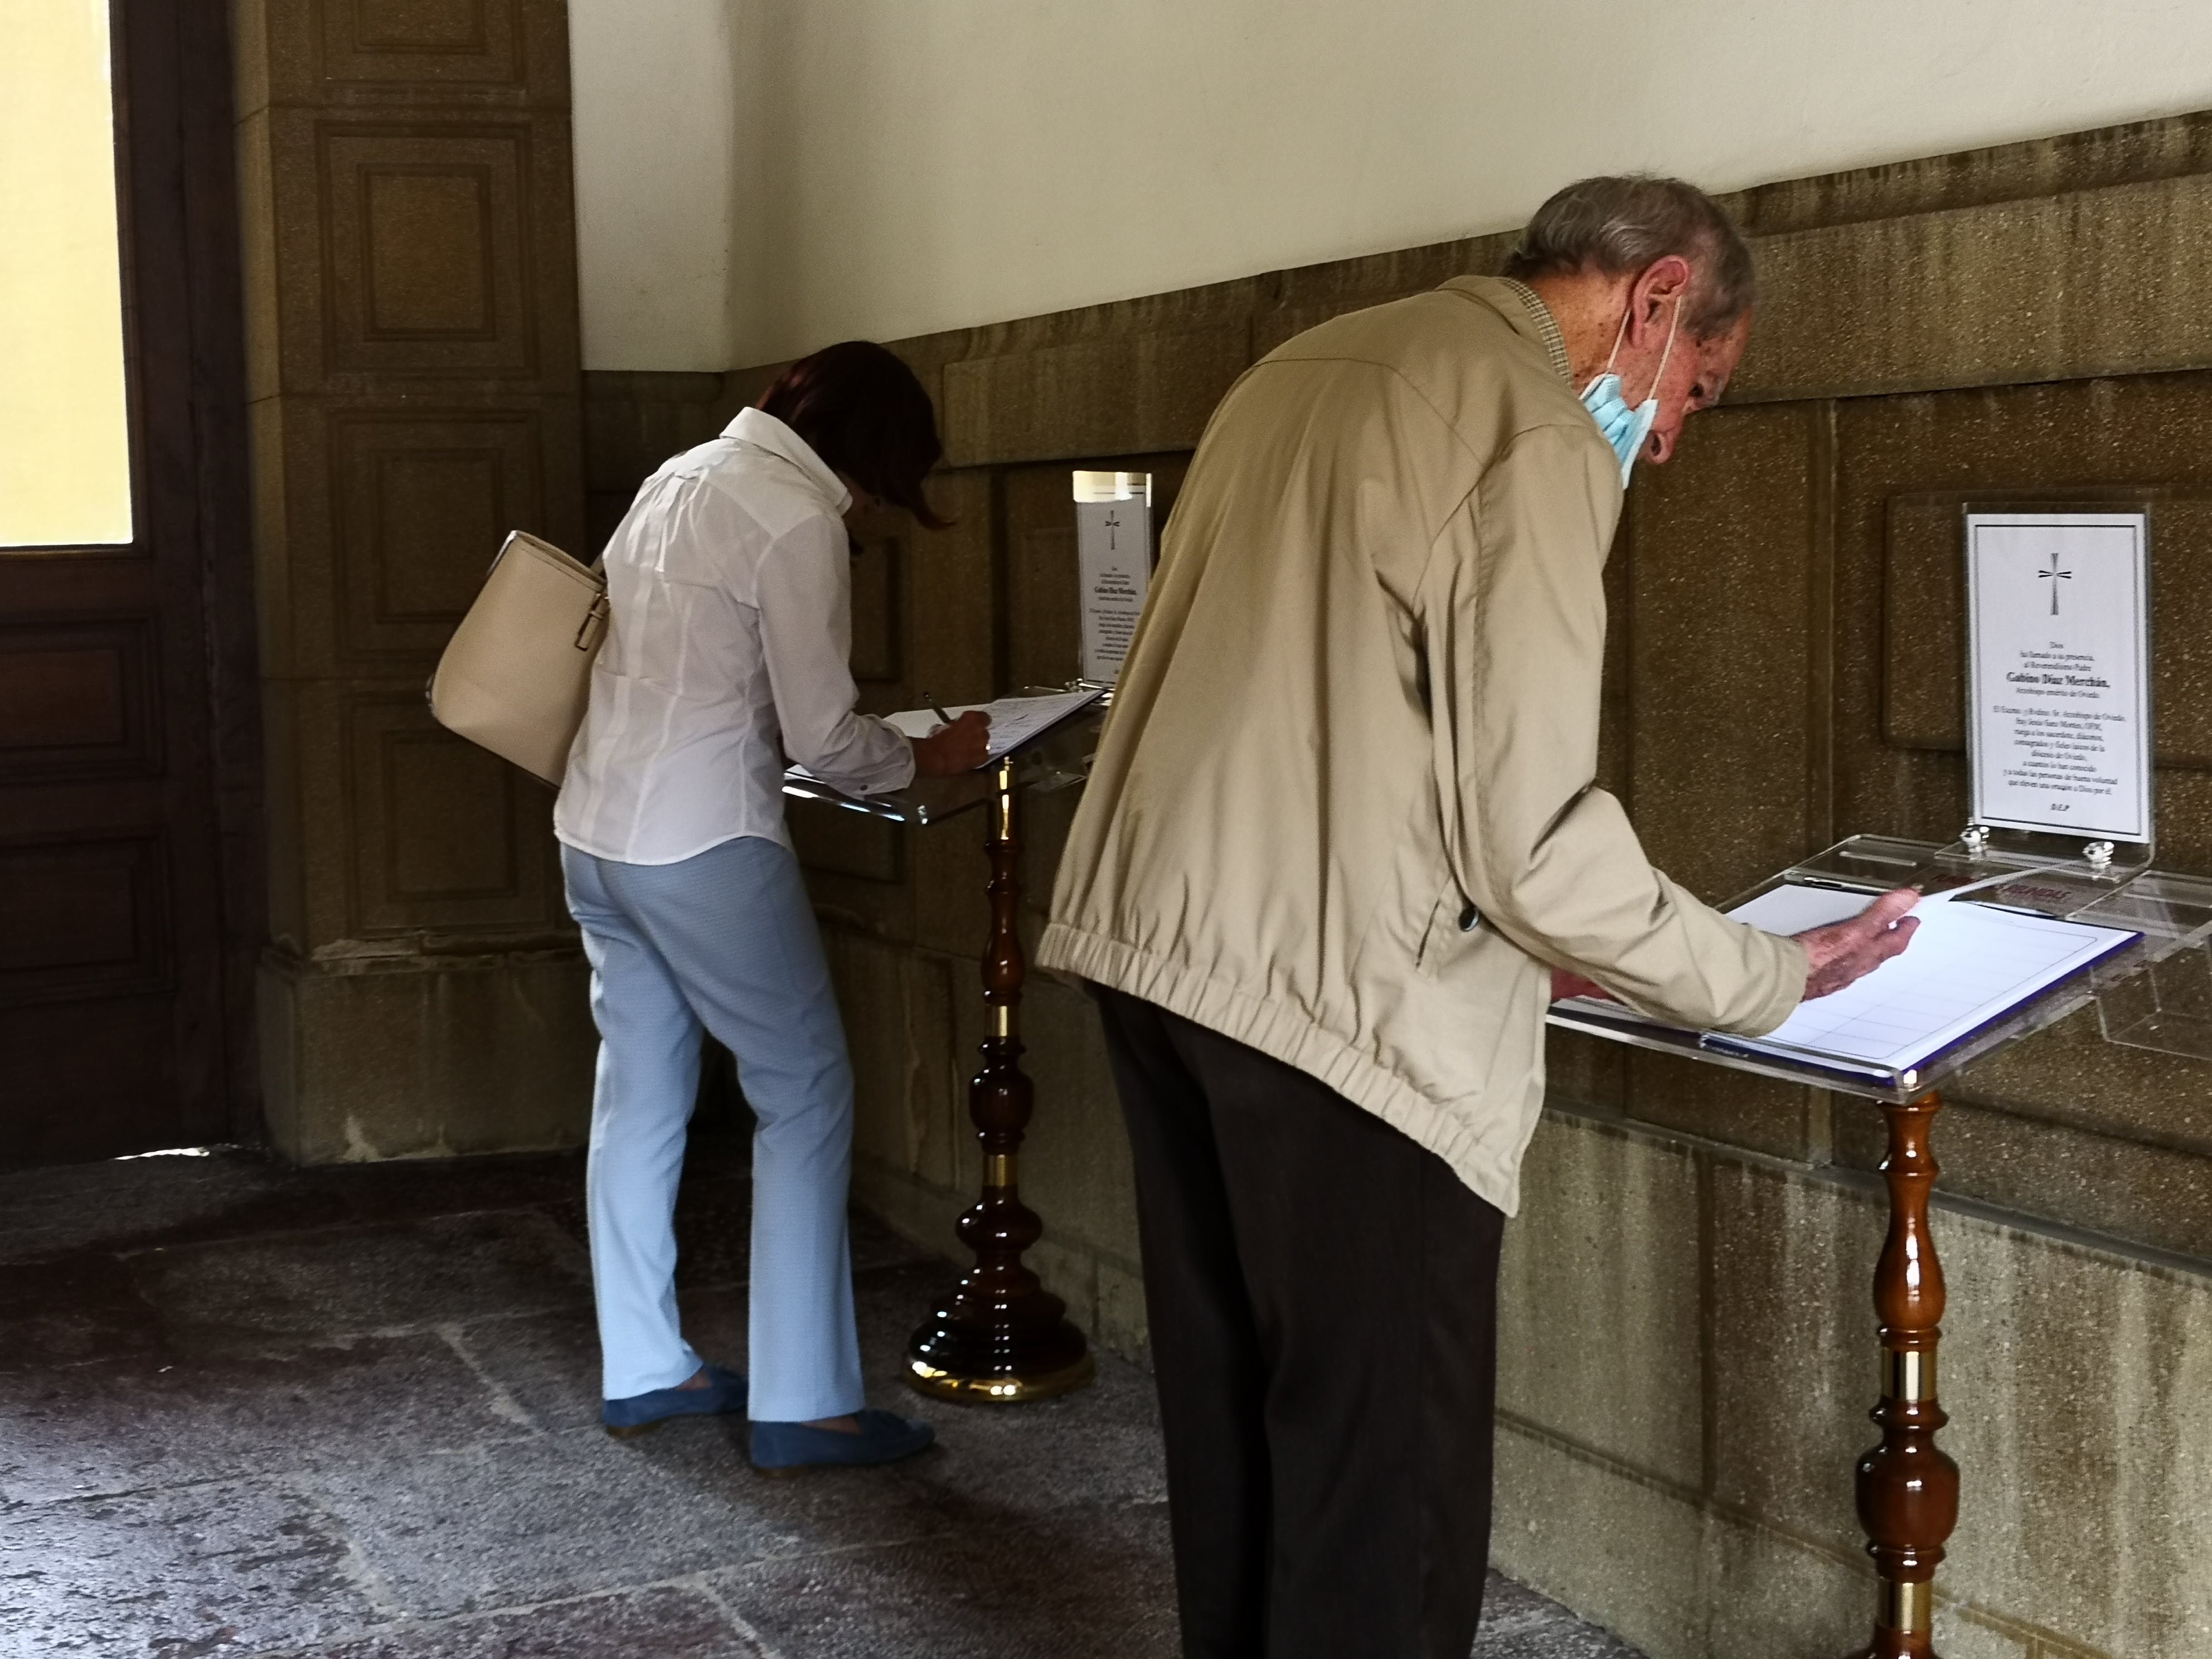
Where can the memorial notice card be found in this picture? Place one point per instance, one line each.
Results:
(2058, 698)
(1113, 559)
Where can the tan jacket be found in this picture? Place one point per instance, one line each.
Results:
(1343, 810)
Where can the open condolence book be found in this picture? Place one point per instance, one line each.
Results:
(1016, 722)
(1968, 967)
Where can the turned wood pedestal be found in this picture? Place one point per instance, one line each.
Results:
(1908, 1489)
(1000, 1337)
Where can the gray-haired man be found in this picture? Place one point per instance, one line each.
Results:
(1341, 839)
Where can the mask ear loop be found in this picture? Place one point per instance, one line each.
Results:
(1674, 325)
(1621, 333)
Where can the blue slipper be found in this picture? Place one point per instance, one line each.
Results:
(725, 1392)
(884, 1437)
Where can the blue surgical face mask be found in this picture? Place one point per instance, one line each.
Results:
(1624, 427)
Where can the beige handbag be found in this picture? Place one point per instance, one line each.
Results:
(518, 671)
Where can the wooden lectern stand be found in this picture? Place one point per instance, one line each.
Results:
(1000, 1337)
(1907, 1487)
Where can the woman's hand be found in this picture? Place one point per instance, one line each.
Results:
(952, 750)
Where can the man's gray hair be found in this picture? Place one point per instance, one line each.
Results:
(1620, 225)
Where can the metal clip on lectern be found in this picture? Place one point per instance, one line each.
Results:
(2059, 749)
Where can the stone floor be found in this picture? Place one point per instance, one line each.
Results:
(352, 1411)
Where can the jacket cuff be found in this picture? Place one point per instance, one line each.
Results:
(1789, 991)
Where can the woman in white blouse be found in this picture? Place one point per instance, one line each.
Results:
(730, 586)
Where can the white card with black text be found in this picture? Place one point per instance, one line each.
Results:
(2059, 694)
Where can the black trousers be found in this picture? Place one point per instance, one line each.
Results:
(1323, 1301)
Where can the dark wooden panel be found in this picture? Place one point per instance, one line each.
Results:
(90, 1079)
(69, 698)
(74, 700)
(129, 747)
(82, 920)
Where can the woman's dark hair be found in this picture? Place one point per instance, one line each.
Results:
(861, 409)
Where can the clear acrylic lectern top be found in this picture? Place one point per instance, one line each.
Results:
(2156, 994)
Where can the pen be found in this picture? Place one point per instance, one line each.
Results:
(936, 709)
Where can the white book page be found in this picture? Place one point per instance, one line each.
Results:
(1014, 720)
(1967, 966)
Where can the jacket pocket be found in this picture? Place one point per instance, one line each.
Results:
(1452, 919)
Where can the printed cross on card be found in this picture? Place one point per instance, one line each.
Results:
(2054, 576)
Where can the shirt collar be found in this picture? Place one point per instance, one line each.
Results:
(1547, 326)
(1524, 312)
(762, 430)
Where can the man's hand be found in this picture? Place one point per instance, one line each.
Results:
(1846, 951)
(1838, 954)
(952, 750)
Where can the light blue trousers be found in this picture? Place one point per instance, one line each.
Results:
(724, 941)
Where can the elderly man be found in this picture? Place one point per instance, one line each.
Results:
(1341, 842)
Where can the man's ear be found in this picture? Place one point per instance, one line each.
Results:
(1659, 288)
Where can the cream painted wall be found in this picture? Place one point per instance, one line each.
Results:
(905, 166)
(655, 112)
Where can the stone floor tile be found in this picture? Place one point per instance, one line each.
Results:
(376, 1276)
(129, 1203)
(1088, 1583)
(350, 1413)
(547, 1363)
(69, 1309)
(126, 1201)
(127, 1425)
(1519, 1624)
(570, 1514)
(1100, 1445)
(224, 1567)
(667, 1622)
(408, 1188)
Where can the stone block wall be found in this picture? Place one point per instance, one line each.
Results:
(409, 262)
(1689, 1348)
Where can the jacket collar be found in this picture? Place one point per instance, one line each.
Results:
(762, 430)
(1526, 314)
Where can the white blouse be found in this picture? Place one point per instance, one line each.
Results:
(730, 590)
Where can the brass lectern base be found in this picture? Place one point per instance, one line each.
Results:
(1000, 1389)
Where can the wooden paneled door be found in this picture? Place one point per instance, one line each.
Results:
(127, 733)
